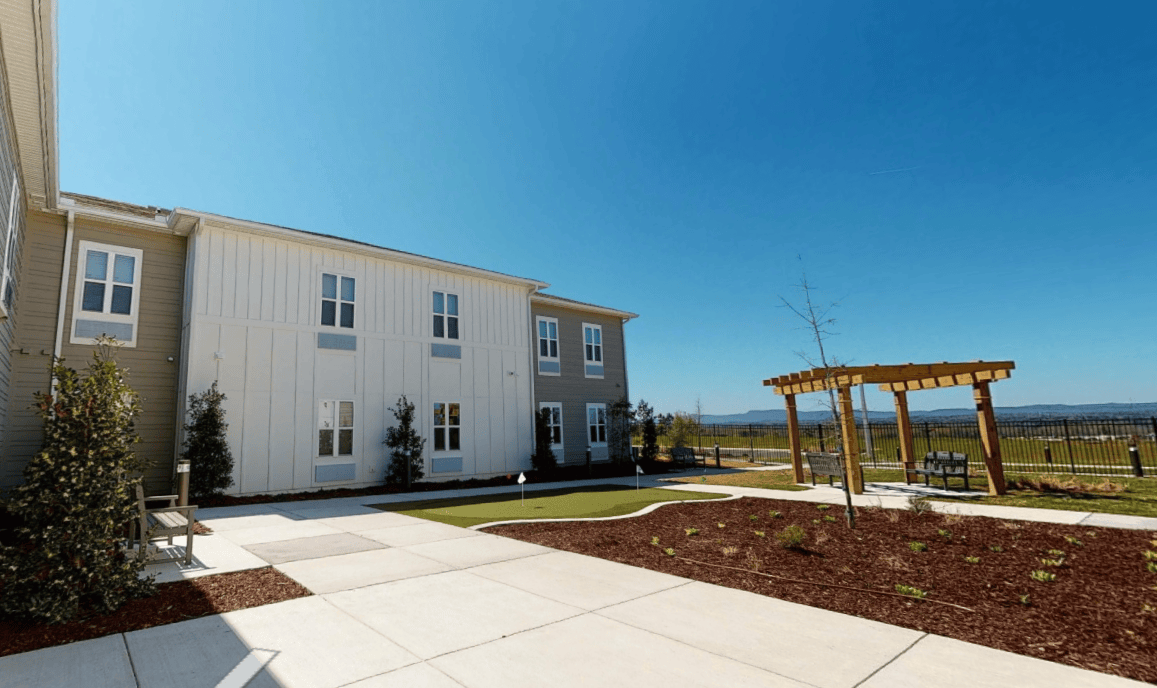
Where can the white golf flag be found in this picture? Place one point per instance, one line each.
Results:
(638, 469)
(521, 478)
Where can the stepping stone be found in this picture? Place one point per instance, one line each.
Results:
(312, 547)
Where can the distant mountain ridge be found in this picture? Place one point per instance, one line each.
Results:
(1146, 410)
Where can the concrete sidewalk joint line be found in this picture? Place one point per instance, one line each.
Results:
(885, 664)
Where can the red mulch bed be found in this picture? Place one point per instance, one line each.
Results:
(173, 602)
(1100, 613)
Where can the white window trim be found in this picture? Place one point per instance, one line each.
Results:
(538, 343)
(133, 318)
(602, 350)
(9, 249)
(445, 323)
(337, 313)
(435, 427)
(335, 456)
(587, 421)
(561, 425)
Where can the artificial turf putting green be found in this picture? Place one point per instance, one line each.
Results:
(587, 502)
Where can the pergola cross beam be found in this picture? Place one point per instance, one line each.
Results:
(898, 379)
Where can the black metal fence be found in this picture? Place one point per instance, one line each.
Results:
(1077, 446)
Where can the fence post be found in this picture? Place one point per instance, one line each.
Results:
(1069, 444)
(717, 464)
(928, 435)
(820, 432)
(751, 438)
(1135, 459)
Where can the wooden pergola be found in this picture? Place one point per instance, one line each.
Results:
(899, 380)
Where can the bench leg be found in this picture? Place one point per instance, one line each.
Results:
(966, 487)
(829, 481)
(945, 481)
(189, 547)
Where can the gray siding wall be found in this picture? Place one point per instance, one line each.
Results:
(571, 387)
(9, 173)
(150, 372)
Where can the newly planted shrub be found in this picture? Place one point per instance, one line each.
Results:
(728, 551)
(1052, 562)
(995, 548)
(1073, 541)
(1024, 599)
(721, 525)
(655, 540)
(918, 506)
(791, 537)
(691, 531)
(79, 493)
(406, 465)
(1151, 566)
(753, 518)
(911, 591)
(669, 552)
(972, 560)
(206, 445)
(775, 514)
(1056, 553)
(946, 534)
(823, 507)
(1043, 576)
(917, 546)
(760, 533)
(543, 459)
(830, 519)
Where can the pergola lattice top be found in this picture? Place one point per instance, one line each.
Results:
(892, 378)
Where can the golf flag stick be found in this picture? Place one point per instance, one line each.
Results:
(521, 480)
(638, 472)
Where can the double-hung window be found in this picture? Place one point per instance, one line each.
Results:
(548, 361)
(10, 239)
(593, 350)
(597, 424)
(337, 300)
(554, 421)
(335, 417)
(445, 315)
(108, 293)
(447, 427)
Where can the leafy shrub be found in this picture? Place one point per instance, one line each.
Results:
(721, 525)
(655, 540)
(206, 445)
(1052, 562)
(406, 465)
(1043, 576)
(543, 459)
(1056, 553)
(946, 534)
(691, 531)
(1150, 555)
(728, 551)
(830, 519)
(683, 428)
(775, 514)
(972, 560)
(917, 546)
(1151, 566)
(753, 518)
(791, 537)
(823, 507)
(918, 506)
(1073, 541)
(995, 548)
(911, 591)
(79, 493)
(760, 533)
(646, 416)
(669, 552)
(1024, 599)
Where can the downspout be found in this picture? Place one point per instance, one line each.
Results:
(65, 272)
(533, 346)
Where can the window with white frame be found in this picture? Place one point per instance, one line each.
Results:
(554, 421)
(337, 300)
(593, 343)
(597, 424)
(547, 339)
(447, 426)
(445, 315)
(335, 428)
(108, 292)
(10, 239)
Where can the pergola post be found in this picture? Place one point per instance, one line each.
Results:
(851, 449)
(904, 428)
(989, 438)
(793, 438)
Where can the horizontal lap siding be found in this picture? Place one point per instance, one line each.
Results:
(150, 374)
(572, 388)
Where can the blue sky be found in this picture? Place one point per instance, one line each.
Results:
(969, 180)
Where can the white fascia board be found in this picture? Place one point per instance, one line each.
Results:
(546, 300)
(351, 246)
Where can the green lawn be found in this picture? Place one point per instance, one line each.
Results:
(589, 502)
(1138, 499)
(782, 480)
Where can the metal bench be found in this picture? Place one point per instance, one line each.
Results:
(682, 456)
(943, 465)
(163, 522)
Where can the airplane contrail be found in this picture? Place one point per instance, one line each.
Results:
(902, 169)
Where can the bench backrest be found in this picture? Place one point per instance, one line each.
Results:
(951, 462)
(823, 463)
(682, 453)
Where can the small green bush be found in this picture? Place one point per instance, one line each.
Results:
(206, 444)
(753, 518)
(721, 525)
(911, 591)
(791, 537)
(995, 548)
(917, 546)
(691, 531)
(1150, 555)
(406, 463)
(830, 519)
(1043, 576)
(972, 560)
(1073, 541)
(655, 540)
(1052, 562)
(775, 514)
(946, 534)
(823, 507)
(1151, 566)
(669, 552)
(760, 533)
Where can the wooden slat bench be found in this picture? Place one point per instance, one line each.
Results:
(943, 465)
(163, 522)
(824, 464)
(682, 456)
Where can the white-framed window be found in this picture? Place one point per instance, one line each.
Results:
(593, 350)
(335, 427)
(547, 340)
(108, 293)
(597, 425)
(555, 422)
(6, 288)
(337, 300)
(447, 426)
(445, 315)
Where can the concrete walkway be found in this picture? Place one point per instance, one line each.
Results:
(401, 601)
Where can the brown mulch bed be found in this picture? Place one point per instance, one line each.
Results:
(178, 601)
(1100, 613)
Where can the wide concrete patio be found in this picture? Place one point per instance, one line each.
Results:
(401, 601)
